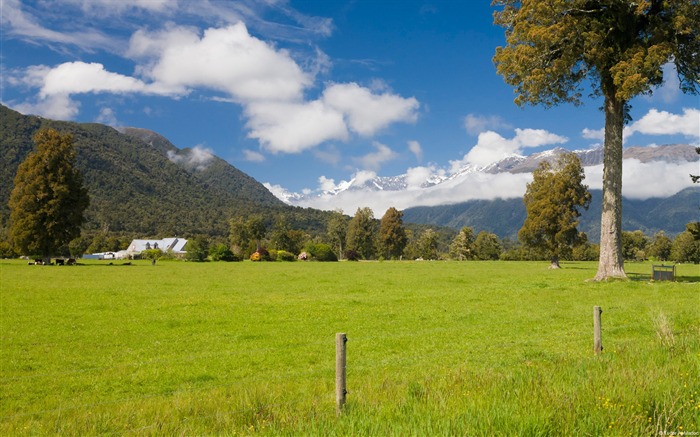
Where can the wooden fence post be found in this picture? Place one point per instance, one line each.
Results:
(340, 383)
(597, 336)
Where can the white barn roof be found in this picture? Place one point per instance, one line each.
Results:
(166, 244)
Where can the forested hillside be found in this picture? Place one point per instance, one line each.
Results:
(137, 188)
(505, 217)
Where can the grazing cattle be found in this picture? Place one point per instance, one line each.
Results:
(71, 261)
(60, 262)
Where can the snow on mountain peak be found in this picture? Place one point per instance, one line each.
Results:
(422, 184)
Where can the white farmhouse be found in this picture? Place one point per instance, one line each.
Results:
(173, 245)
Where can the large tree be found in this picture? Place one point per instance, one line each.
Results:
(552, 201)
(461, 247)
(487, 246)
(48, 201)
(553, 46)
(428, 245)
(285, 238)
(392, 239)
(361, 232)
(336, 229)
(239, 237)
(660, 247)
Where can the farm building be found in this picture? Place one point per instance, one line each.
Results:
(174, 245)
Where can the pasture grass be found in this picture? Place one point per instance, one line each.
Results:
(435, 348)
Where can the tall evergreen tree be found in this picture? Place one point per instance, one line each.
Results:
(685, 248)
(552, 46)
(48, 201)
(239, 237)
(634, 245)
(361, 232)
(461, 247)
(282, 237)
(660, 247)
(428, 244)
(487, 246)
(551, 201)
(256, 229)
(392, 239)
(337, 229)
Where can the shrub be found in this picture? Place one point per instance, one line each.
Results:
(197, 249)
(321, 252)
(6, 250)
(151, 254)
(283, 255)
(264, 254)
(168, 254)
(352, 255)
(221, 252)
(260, 255)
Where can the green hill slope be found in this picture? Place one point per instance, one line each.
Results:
(136, 187)
(505, 217)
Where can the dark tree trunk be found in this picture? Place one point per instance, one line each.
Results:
(611, 264)
(555, 263)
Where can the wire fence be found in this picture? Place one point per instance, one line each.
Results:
(424, 336)
(426, 349)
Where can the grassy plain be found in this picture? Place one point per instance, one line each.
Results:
(435, 348)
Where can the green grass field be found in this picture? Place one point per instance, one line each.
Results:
(435, 348)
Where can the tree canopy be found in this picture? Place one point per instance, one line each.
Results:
(361, 233)
(48, 201)
(552, 200)
(461, 247)
(487, 246)
(392, 239)
(621, 47)
(336, 230)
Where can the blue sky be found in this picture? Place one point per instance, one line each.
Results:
(302, 94)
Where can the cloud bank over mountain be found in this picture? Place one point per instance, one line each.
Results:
(647, 173)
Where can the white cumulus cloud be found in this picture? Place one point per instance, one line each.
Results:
(253, 156)
(593, 134)
(492, 147)
(198, 158)
(230, 65)
(644, 180)
(415, 148)
(292, 127)
(366, 112)
(81, 77)
(657, 122)
(225, 59)
(476, 124)
(59, 106)
(416, 176)
(374, 160)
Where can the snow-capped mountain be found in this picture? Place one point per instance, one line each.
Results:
(513, 164)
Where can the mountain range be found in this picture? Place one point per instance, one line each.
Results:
(504, 217)
(141, 184)
(513, 164)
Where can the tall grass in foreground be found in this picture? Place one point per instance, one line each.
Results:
(436, 348)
